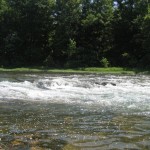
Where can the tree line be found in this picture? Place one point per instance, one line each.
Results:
(75, 33)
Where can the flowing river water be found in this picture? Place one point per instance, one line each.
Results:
(74, 112)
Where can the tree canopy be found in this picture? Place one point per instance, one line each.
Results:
(75, 33)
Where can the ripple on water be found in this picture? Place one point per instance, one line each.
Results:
(74, 112)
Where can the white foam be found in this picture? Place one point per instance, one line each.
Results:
(130, 91)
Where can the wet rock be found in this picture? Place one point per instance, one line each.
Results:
(98, 83)
(105, 83)
(41, 85)
(114, 84)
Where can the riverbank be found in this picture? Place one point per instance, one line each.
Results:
(110, 70)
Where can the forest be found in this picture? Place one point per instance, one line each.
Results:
(75, 33)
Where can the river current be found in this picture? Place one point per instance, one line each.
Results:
(74, 112)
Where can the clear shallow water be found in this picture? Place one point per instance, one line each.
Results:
(74, 112)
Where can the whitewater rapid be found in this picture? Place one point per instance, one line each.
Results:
(104, 90)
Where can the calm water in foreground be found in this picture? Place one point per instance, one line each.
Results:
(74, 112)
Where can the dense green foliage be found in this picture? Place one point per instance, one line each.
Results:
(75, 33)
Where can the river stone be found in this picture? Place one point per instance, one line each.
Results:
(105, 83)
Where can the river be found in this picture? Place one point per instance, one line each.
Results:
(74, 112)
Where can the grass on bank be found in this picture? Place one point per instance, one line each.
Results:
(110, 70)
